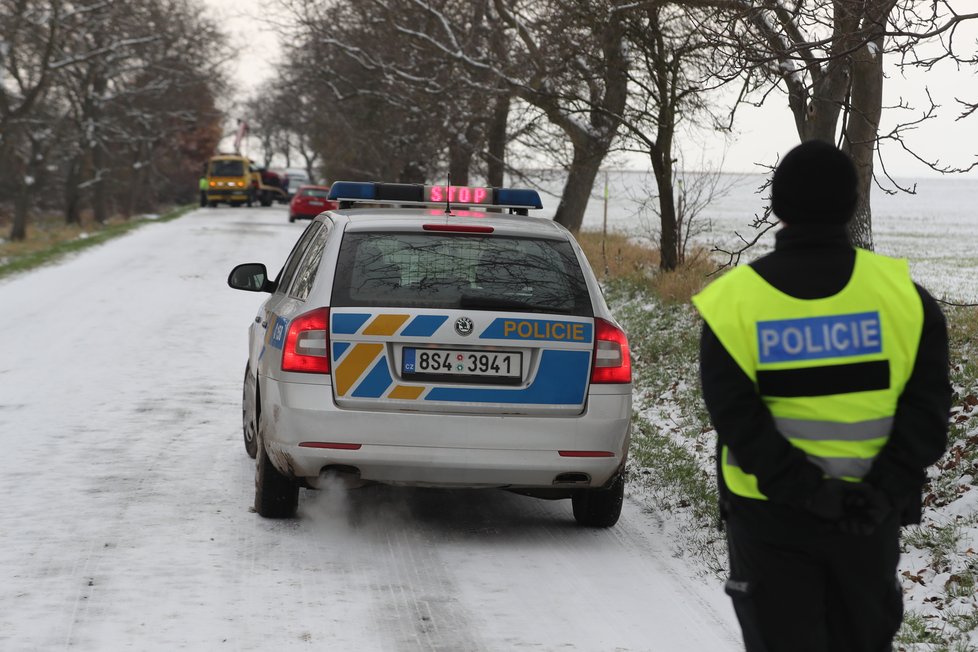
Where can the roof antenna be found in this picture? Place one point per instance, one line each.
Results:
(448, 192)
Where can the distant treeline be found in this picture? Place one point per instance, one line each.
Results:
(106, 107)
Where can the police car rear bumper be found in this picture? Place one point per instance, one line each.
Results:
(461, 450)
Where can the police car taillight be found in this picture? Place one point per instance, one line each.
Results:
(306, 347)
(612, 362)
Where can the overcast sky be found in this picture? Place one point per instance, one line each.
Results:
(762, 134)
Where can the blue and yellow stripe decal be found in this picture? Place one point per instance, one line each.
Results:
(274, 336)
(362, 369)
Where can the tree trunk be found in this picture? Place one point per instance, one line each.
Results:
(99, 200)
(72, 192)
(860, 134)
(577, 189)
(28, 175)
(18, 230)
(669, 232)
(309, 155)
(459, 161)
(99, 190)
(134, 183)
(496, 145)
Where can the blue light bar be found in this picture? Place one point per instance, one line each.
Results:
(351, 190)
(433, 195)
(520, 197)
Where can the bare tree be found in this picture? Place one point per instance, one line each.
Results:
(671, 75)
(569, 60)
(827, 56)
(464, 63)
(102, 98)
(30, 33)
(370, 102)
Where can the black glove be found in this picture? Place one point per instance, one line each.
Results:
(827, 501)
(864, 508)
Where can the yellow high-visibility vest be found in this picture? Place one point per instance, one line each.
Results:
(830, 370)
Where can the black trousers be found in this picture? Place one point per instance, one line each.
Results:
(824, 591)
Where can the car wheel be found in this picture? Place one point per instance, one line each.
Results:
(291, 218)
(249, 426)
(599, 508)
(276, 495)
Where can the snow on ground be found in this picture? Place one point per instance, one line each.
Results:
(127, 491)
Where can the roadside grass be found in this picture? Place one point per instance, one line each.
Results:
(49, 239)
(617, 256)
(941, 554)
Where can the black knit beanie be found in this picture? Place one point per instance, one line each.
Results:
(815, 183)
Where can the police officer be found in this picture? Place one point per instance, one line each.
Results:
(825, 372)
(202, 188)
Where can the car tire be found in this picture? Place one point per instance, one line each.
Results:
(264, 198)
(249, 425)
(599, 508)
(291, 218)
(276, 495)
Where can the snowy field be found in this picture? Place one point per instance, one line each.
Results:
(936, 228)
(127, 491)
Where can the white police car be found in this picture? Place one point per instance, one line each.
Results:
(436, 344)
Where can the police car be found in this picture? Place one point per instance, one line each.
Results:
(447, 341)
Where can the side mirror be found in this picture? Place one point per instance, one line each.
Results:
(252, 277)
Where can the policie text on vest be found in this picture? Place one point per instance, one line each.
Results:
(812, 338)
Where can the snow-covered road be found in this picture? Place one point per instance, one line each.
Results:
(125, 494)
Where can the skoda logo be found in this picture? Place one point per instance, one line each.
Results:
(464, 326)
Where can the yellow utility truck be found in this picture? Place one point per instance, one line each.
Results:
(233, 179)
(230, 180)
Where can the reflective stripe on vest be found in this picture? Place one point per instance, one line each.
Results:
(830, 370)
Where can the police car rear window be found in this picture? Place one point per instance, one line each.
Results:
(413, 270)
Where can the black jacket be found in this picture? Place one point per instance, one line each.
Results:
(810, 262)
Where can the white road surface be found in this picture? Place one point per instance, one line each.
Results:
(125, 494)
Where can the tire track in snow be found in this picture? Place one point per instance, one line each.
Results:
(396, 558)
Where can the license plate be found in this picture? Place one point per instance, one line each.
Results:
(313, 202)
(461, 365)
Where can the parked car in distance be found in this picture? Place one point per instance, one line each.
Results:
(296, 179)
(310, 201)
